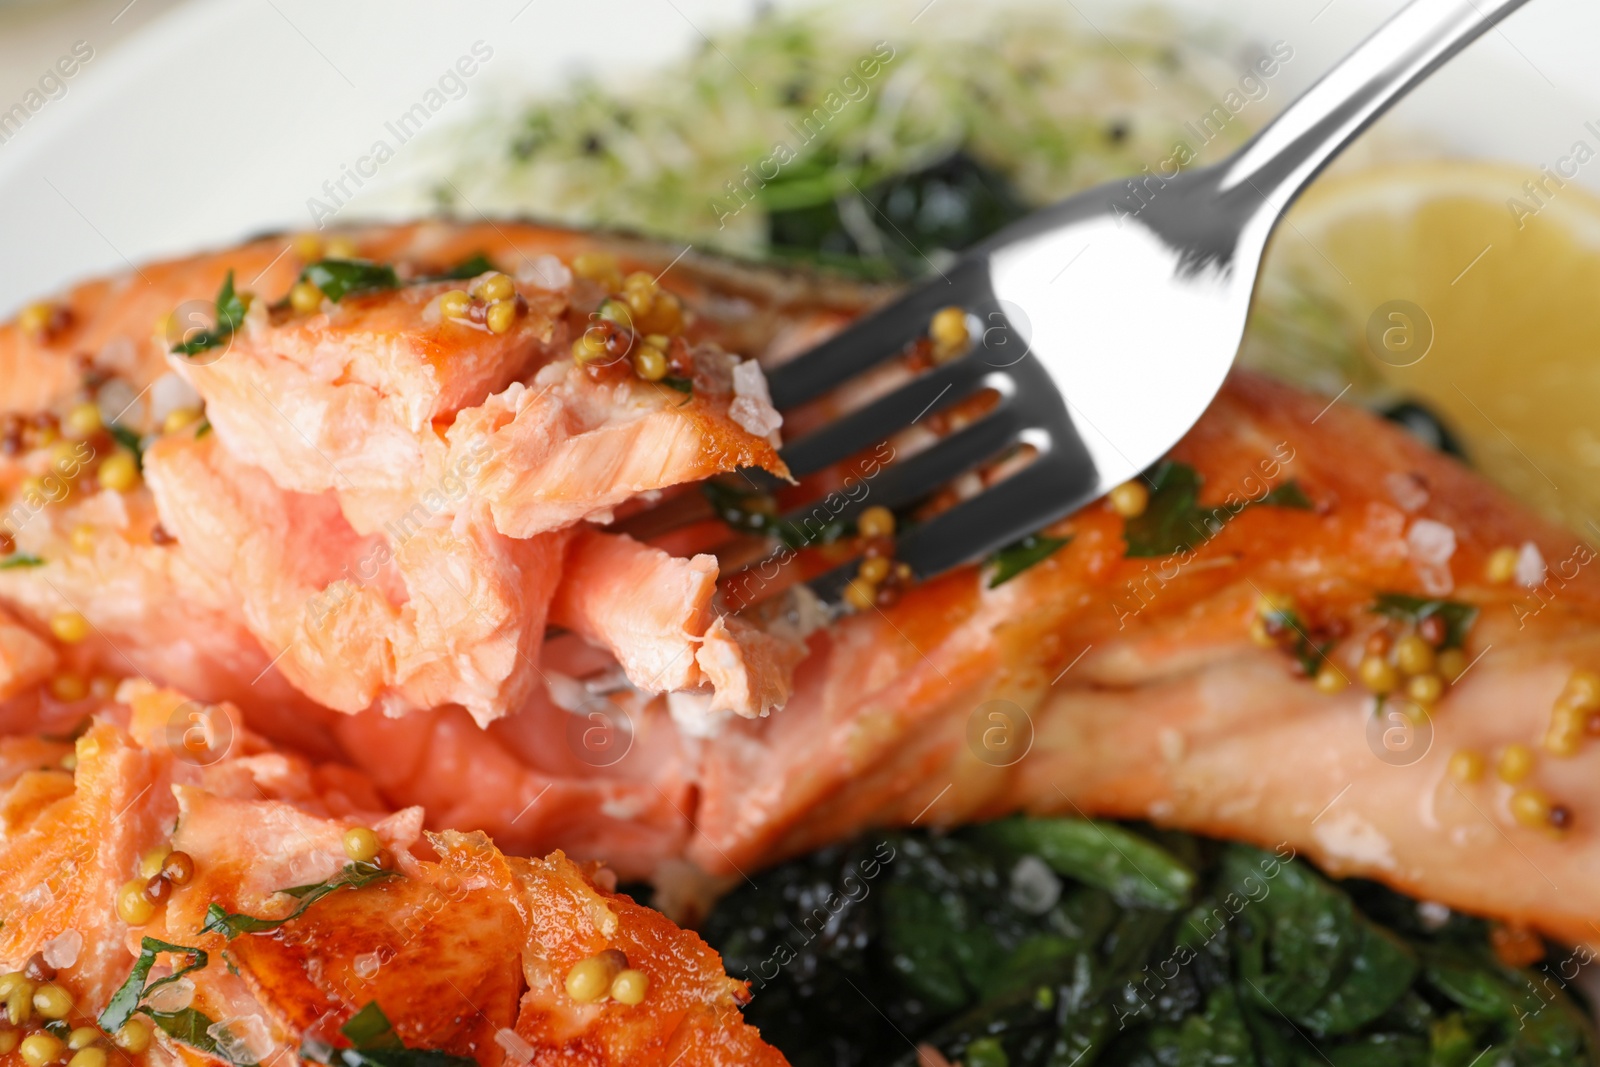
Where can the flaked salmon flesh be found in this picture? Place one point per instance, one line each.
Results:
(433, 567)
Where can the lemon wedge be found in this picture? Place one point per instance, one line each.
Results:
(1471, 288)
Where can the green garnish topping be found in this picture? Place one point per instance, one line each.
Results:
(739, 509)
(370, 1028)
(230, 316)
(1457, 617)
(338, 278)
(130, 440)
(1306, 652)
(470, 267)
(682, 385)
(353, 876)
(130, 996)
(374, 1043)
(20, 559)
(192, 1027)
(1174, 521)
(203, 429)
(1018, 556)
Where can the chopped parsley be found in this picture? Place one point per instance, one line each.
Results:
(1174, 520)
(1308, 653)
(470, 267)
(230, 313)
(682, 385)
(130, 440)
(1456, 616)
(354, 876)
(20, 559)
(130, 996)
(1017, 557)
(338, 278)
(374, 1043)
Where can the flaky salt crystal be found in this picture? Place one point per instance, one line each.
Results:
(62, 951)
(1530, 565)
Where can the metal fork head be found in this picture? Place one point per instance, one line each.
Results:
(1105, 324)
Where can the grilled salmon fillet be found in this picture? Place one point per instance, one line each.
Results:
(467, 950)
(547, 654)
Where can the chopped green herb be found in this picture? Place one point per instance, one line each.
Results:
(353, 876)
(1458, 617)
(471, 267)
(1017, 557)
(682, 385)
(230, 312)
(192, 1027)
(130, 995)
(203, 429)
(370, 1028)
(338, 278)
(20, 559)
(374, 1043)
(752, 512)
(130, 440)
(1308, 653)
(1174, 520)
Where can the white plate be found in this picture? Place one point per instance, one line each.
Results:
(225, 118)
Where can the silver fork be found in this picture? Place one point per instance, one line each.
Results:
(1106, 323)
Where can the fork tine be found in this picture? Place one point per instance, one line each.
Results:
(869, 341)
(1050, 488)
(911, 479)
(885, 416)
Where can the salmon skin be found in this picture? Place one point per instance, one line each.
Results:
(546, 654)
(466, 951)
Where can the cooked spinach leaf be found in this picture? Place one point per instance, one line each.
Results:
(230, 312)
(354, 876)
(338, 278)
(1456, 616)
(1017, 557)
(1039, 942)
(130, 995)
(1174, 521)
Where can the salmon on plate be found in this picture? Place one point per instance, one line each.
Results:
(474, 544)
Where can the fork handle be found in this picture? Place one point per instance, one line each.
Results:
(1284, 157)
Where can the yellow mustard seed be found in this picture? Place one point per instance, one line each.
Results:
(860, 595)
(590, 979)
(305, 298)
(8, 1040)
(1451, 663)
(1378, 675)
(1530, 807)
(650, 363)
(180, 419)
(1466, 765)
(120, 472)
(875, 522)
(1130, 499)
(82, 538)
(1501, 566)
(92, 1056)
(1331, 680)
(501, 316)
(41, 1049)
(948, 328)
(1516, 763)
(133, 906)
(1583, 691)
(133, 1037)
(68, 686)
(629, 987)
(455, 304)
(52, 1002)
(83, 420)
(494, 288)
(1425, 689)
(151, 862)
(35, 320)
(341, 248)
(69, 626)
(873, 569)
(1413, 655)
(361, 844)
